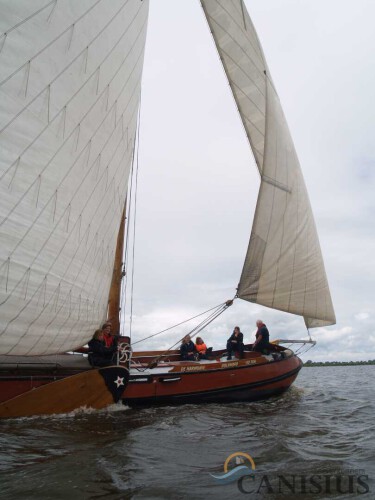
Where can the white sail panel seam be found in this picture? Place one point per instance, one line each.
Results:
(62, 145)
(258, 156)
(72, 166)
(71, 232)
(260, 71)
(15, 26)
(295, 246)
(94, 269)
(69, 65)
(243, 14)
(283, 221)
(94, 242)
(241, 31)
(48, 45)
(276, 183)
(77, 199)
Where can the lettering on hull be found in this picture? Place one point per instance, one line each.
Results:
(199, 368)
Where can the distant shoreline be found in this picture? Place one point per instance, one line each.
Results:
(338, 363)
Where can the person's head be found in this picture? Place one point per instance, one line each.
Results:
(236, 329)
(199, 341)
(98, 335)
(259, 323)
(186, 339)
(107, 327)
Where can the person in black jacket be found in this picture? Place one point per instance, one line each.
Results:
(187, 349)
(235, 343)
(262, 338)
(99, 354)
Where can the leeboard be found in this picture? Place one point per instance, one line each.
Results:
(88, 389)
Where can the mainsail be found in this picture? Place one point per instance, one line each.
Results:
(283, 267)
(70, 75)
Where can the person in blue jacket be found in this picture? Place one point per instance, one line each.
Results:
(99, 354)
(262, 338)
(187, 349)
(235, 343)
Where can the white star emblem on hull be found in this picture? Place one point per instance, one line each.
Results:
(119, 381)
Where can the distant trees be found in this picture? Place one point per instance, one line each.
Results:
(338, 363)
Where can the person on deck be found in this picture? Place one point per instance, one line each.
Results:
(108, 337)
(262, 338)
(235, 343)
(201, 348)
(187, 349)
(99, 353)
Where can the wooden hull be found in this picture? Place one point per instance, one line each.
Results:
(93, 388)
(219, 382)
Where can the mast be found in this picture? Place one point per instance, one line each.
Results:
(117, 275)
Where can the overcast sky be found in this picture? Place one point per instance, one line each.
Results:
(198, 182)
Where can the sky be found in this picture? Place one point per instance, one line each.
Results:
(197, 180)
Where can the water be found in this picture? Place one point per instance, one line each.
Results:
(323, 425)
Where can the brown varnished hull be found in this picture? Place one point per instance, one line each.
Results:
(12, 387)
(218, 382)
(87, 389)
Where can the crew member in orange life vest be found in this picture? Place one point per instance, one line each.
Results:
(201, 348)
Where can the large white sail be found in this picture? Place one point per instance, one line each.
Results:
(70, 76)
(283, 267)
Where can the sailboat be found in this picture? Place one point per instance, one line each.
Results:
(70, 88)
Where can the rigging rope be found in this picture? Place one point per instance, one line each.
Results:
(300, 351)
(135, 170)
(308, 332)
(218, 310)
(178, 324)
(129, 197)
(135, 215)
(304, 345)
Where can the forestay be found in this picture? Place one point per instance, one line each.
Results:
(283, 267)
(70, 76)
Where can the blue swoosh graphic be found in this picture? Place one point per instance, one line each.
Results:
(233, 475)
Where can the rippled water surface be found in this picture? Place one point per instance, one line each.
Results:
(323, 425)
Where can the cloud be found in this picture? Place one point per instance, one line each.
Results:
(362, 316)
